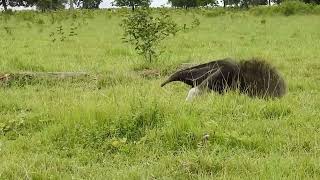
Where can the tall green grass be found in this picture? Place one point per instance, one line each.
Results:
(122, 125)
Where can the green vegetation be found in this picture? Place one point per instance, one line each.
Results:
(119, 124)
(132, 3)
(145, 31)
(287, 8)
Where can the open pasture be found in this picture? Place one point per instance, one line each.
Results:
(117, 123)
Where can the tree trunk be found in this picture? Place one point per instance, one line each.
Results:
(4, 4)
(246, 4)
(71, 4)
(269, 2)
(132, 7)
(224, 3)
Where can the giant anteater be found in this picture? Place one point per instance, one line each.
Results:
(253, 77)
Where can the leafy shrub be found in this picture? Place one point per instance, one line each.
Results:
(61, 34)
(293, 7)
(316, 9)
(195, 22)
(287, 8)
(145, 31)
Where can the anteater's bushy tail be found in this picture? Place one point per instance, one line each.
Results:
(259, 78)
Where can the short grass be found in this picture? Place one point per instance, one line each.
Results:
(122, 125)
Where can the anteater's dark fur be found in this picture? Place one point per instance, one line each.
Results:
(254, 77)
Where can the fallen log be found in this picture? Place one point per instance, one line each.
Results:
(52, 74)
(7, 78)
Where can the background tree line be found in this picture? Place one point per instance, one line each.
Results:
(234, 3)
(94, 4)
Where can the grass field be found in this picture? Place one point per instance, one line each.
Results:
(122, 125)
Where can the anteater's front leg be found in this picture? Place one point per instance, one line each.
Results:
(203, 86)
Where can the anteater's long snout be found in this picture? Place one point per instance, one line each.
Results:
(166, 82)
(174, 77)
(171, 78)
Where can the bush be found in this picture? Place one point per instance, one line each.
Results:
(287, 8)
(145, 31)
(316, 9)
(294, 7)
